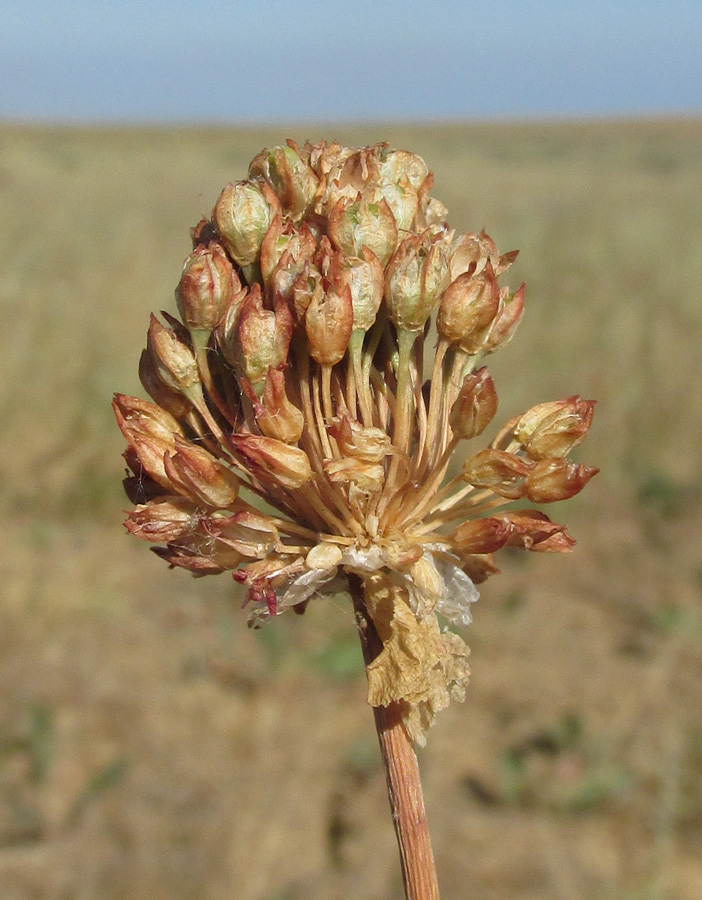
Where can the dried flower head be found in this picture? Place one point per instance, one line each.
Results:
(297, 377)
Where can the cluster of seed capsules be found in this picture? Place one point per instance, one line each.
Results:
(307, 405)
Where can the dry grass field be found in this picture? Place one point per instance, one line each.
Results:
(153, 748)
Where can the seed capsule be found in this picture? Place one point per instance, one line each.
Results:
(273, 461)
(174, 361)
(354, 225)
(475, 406)
(365, 279)
(553, 429)
(557, 479)
(329, 323)
(509, 315)
(262, 338)
(291, 178)
(504, 473)
(206, 288)
(415, 279)
(468, 306)
(243, 214)
(276, 416)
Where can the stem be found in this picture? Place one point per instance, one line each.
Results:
(401, 773)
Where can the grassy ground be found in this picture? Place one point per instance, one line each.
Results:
(152, 747)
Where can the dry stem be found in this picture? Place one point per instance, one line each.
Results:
(402, 774)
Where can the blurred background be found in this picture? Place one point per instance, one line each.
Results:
(153, 747)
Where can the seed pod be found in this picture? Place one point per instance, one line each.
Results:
(163, 520)
(227, 330)
(347, 176)
(481, 535)
(306, 288)
(366, 281)
(475, 405)
(430, 211)
(273, 461)
(416, 277)
(198, 475)
(532, 530)
(355, 224)
(552, 429)
(243, 214)
(294, 182)
(281, 238)
(509, 315)
(262, 339)
(206, 288)
(503, 473)
(403, 201)
(276, 416)
(556, 479)
(329, 323)
(139, 417)
(395, 165)
(468, 306)
(150, 452)
(160, 393)
(472, 252)
(366, 477)
(174, 360)
(361, 442)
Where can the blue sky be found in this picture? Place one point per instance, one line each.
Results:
(129, 61)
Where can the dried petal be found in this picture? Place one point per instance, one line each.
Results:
(418, 665)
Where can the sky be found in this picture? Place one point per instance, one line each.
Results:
(181, 61)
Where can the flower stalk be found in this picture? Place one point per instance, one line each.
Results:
(401, 772)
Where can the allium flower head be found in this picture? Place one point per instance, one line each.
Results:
(303, 381)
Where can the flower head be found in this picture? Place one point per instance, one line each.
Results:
(297, 379)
